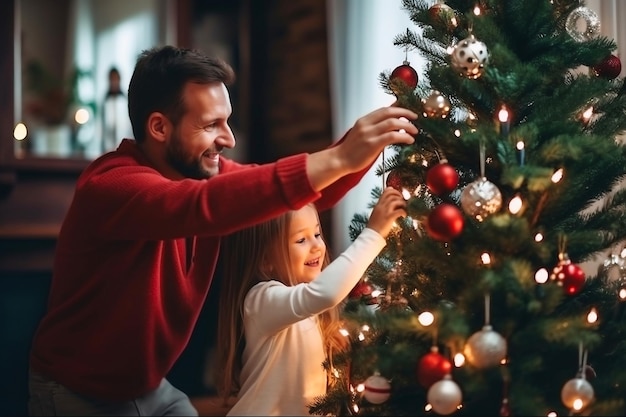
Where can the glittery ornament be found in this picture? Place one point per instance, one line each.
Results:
(400, 181)
(612, 269)
(377, 389)
(432, 367)
(445, 222)
(441, 12)
(405, 74)
(469, 57)
(590, 20)
(480, 199)
(485, 348)
(609, 68)
(569, 275)
(436, 105)
(444, 396)
(577, 392)
(442, 178)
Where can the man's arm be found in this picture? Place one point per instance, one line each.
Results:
(361, 146)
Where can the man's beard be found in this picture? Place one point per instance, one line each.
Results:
(182, 162)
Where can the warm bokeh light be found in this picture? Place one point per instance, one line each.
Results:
(20, 132)
(557, 176)
(515, 205)
(459, 360)
(592, 317)
(81, 116)
(503, 115)
(578, 404)
(426, 318)
(541, 276)
(587, 114)
(539, 237)
(485, 258)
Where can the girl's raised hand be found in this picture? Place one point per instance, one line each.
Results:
(389, 207)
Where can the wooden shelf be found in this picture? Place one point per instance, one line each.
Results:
(29, 231)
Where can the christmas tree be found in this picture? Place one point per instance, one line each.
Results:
(478, 304)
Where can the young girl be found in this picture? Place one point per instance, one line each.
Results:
(278, 315)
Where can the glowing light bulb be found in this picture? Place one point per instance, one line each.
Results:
(20, 132)
(541, 276)
(515, 205)
(592, 317)
(426, 318)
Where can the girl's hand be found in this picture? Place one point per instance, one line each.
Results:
(390, 206)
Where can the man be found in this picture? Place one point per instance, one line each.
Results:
(138, 247)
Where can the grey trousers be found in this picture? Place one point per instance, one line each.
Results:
(49, 398)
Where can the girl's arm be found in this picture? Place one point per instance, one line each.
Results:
(274, 306)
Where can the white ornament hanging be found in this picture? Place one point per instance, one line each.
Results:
(480, 199)
(469, 56)
(577, 393)
(444, 396)
(485, 348)
(377, 389)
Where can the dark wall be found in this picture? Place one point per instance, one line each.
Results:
(283, 103)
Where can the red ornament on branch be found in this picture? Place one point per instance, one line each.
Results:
(432, 367)
(569, 275)
(442, 178)
(363, 291)
(445, 222)
(406, 74)
(609, 68)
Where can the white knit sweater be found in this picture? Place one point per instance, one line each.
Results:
(282, 361)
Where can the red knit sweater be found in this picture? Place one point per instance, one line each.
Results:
(123, 300)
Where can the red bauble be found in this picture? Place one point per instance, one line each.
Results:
(394, 180)
(610, 67)
(432, 367)
(573, 279)
(399, 181)
(445, 222)
(442, 178)
(404, 73)
(569, 275)
(362, 291)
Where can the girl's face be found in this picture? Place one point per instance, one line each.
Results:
(306, 246)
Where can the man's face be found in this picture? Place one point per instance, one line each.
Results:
(194, 147)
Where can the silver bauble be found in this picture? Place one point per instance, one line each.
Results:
(436, 105)
(485, 348)
(577, 393)
(469, 57)
(445, 396)
(481, 198)
(591, 24)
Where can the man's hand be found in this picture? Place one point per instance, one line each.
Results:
(362, 145)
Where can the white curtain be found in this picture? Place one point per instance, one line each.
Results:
(361, 34)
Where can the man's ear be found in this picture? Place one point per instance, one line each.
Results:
(158, 126)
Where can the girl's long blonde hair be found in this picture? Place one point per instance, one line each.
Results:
(255, 254)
